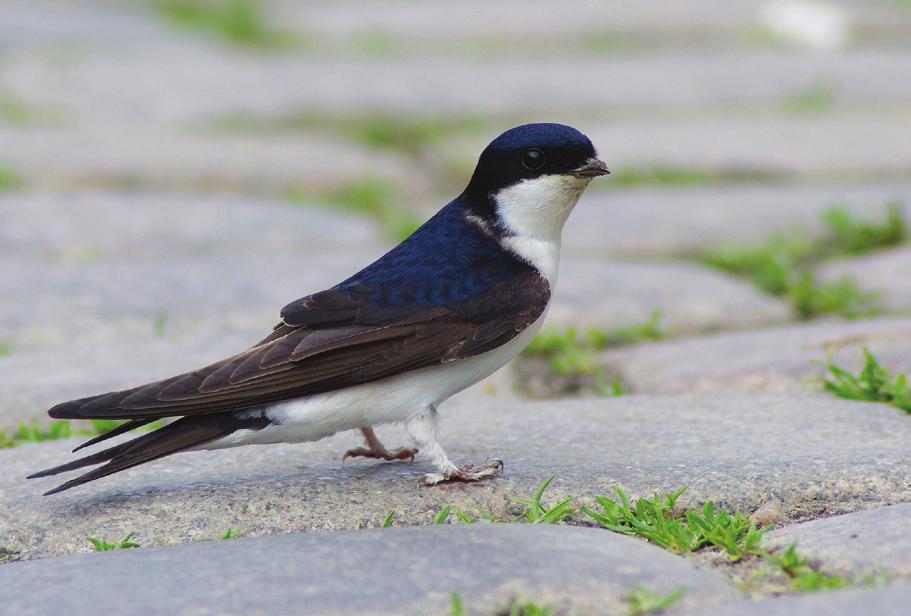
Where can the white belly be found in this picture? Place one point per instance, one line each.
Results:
(390, 400)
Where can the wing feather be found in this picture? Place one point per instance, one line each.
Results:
(308, 359)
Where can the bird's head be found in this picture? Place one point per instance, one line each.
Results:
(529, 178)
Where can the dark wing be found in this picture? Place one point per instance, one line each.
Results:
(344, 342)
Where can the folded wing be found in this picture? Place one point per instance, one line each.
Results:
(332, 340)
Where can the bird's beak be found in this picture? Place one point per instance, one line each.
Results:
(592, 168)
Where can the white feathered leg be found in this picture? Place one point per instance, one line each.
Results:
(423, 429)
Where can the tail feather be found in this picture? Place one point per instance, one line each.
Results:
(181, 435)
(124, 427)
(95, 458)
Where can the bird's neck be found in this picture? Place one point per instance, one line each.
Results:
(543, 255)
(532, 214)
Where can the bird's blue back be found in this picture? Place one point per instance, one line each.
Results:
(446, 261)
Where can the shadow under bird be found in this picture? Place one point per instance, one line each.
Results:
(447, 307)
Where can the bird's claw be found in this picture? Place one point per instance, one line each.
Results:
(467, 473)
(403, 453)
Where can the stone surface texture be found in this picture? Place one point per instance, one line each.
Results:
(816, 455)
(689, 298)
(675, 221)
(772, 359)
(380, 571)
(889, 601)
(868, 542)
(884, 274)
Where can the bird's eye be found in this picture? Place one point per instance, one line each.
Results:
(533, 158)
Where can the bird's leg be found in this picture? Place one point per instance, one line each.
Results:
(423, 429)
(375, 449)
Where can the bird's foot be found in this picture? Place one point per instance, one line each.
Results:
(467, 473)
(403, 453)
(375, 449)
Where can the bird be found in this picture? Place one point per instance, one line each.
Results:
(447, 307)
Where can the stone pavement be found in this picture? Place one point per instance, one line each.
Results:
(881, 273)
(164, 191)
(890, 601)
(769, 359)
(859, 543)
(815, 455)
(380, 571)
(669, 222)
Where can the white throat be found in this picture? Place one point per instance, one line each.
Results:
(533, 213)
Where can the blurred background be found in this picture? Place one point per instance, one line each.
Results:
(172, 172)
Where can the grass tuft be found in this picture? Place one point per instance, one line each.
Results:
(817, 98)
(239, 22)
(655, 520)
(100, 545)
(525, 608)
(644, 601)
(36, 432)
(515, 608)
(8, 556)
(415, 136)
(373, 197)
(231, 533)
(533, 511)
(841, 296)
(16, 113)
(849, 235)
(537, 513)
(160, 324)
(873, 383)
(8, 179)
(443, 515)
(683, 177)
(457, 605)
(571, 358)
(387, 521)
(781, 265)
(802, 576)
(408, 134)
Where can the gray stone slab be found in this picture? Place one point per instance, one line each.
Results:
(882, 273)
(143, 154)
(774, 359)
(380, 571)
(892, 600)
(792, 145)
(103, 302)
(92, 226)
(700, 22)
(482, 19)
(42, 22)
(660, 19)
(150, 82)
(606, 294)
(868, 542)
(674, 221)
(817, 455)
